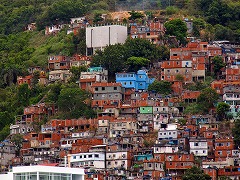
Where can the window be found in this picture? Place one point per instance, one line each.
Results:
(115, 88)
(195, 144)
(103, 88)
(219, 152)
(140, 76)
(96, 89)
(85, 156)
(90, 156)
(74, 157)
(96, 155)
(149, 165)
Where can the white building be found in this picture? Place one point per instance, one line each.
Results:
(59, 75)
(95, 160)
(100, 36)
(43, 173)
(168, 132)
(118, 159)
(165, 149)
(198, 147)
(121, 127)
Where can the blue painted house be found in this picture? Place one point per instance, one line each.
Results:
(137, 81)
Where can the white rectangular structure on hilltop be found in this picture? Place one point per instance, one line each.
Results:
(101, 36)
(44, 173)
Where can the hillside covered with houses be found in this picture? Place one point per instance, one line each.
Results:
(148, 93)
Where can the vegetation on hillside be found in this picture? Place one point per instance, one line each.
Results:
(212, 20)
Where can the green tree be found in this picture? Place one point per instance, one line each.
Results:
(17, 139)
(236, 131)
(54, 92)
(4, 132)
(194, 108)
(35, 78)
(135, 15)
(72, 103)
(112, 58)
(143, 48)
(171, 10)
(23, 95)
(79, 41)
(162, 87)
(135, 63)
(179, 77)
(97, 18)
(220, 31)
(198, 25)
(76, 72)
(178, 28)
(208, 97)
(222, 108)
(195, 173)
(218, 64)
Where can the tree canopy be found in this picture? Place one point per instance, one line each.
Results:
(72, 102)
(195, 173)
(208, 97)
(115, 57)
(178, 28)
(222, 109)
(162, 87)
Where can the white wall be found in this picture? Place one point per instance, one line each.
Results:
(98, 37)
(199, 148)
(165, 149)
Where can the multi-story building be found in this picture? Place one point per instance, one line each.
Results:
(93, 75)
(145, 119)
(168, 131)
(137, 81)
(153, 169)
(59, 62)
(121, 126)
(173, 68)
(44, 172)
(94, 160)
(118, 162)
(98, 37)
(161, 115)
(178, 163)
(106, 95)
(152, 31)
(199, 147)
(78, 60)
(231, 96)
(223, 148)
(7, 152)
(59, 75)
